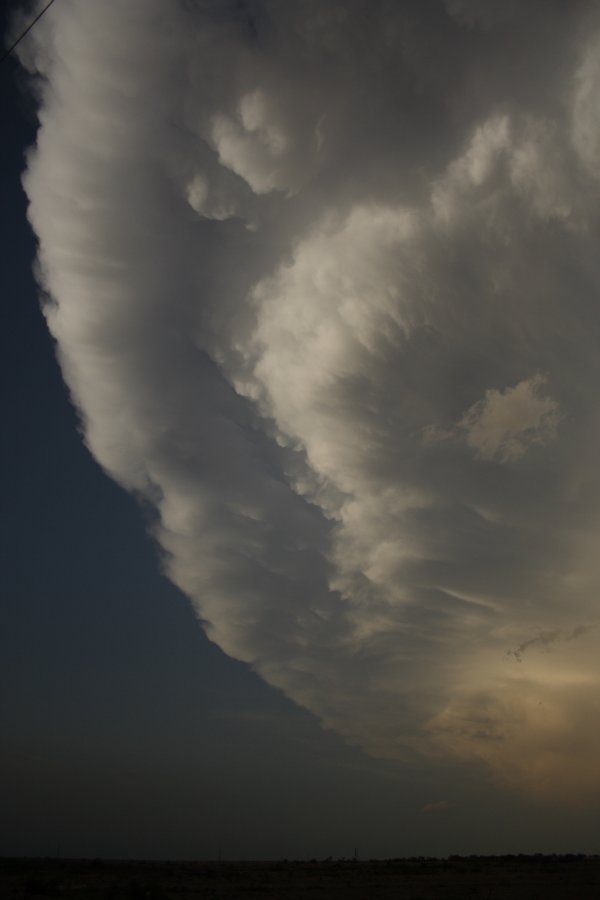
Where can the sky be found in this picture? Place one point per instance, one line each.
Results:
(299, 395)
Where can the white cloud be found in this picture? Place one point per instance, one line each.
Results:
(505, 424)
(274, 264)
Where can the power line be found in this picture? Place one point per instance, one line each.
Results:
(27, 30)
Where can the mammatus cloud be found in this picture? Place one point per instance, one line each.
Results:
(332, 311)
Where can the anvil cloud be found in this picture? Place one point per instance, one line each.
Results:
(324, 282)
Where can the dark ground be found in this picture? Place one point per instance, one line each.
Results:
(457, 878)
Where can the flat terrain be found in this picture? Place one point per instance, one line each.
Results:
(458, 878)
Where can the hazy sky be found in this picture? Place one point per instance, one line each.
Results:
(323, 283)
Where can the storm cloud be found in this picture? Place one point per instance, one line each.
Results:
(324, 283)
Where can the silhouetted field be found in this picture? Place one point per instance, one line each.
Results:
(457, 878)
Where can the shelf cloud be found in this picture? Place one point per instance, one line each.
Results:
(323, 280)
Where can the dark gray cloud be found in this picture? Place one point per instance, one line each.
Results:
(323, 279)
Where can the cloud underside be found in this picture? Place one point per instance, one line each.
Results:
(333, 313)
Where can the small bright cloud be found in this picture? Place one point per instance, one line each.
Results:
(506, 423)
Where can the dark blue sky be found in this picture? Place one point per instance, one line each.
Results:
(125, 732)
